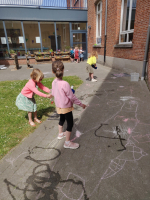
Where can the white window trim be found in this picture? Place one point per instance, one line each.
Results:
(129, 23)
(98, 12)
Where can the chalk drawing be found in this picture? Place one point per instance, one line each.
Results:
(76, 189)
(142, 138)
(77, 135)
(132, 153)
(12, 160)
(47, 72)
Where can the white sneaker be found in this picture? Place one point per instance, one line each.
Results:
(94, 80)
(71, 145)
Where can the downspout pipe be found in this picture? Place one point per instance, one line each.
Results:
(146, 52)
(105, 33)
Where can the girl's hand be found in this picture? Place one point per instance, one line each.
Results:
(84, 106)
(49, 96)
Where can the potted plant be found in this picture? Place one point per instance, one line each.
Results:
(67, 48)
(52, 53)
(12, 53)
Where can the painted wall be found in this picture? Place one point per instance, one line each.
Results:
(42, 14)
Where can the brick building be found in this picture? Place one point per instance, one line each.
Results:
(126, 23)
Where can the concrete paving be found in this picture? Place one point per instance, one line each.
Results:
(113, 160)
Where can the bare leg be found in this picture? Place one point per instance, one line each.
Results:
(68, 135)
(60, 128)
(30, 116)
(35, 117)
(30, 119)
(92, 76)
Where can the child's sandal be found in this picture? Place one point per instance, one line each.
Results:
(38, 121)
(32, 124)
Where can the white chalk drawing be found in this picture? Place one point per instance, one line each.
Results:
(127, 126)
(73, 190)
(131, 153)
(12, 160)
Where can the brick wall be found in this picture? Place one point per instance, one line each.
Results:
(113, 28)
(20, 61)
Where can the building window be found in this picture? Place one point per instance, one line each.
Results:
(48, 36)
(128, 10)
(63, 35)
(15, 37)
(98, 22)
(32, 36)
(78, 26)
(3, 44)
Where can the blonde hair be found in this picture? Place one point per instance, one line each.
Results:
(37, 75)
(94, 53)
(57, 68)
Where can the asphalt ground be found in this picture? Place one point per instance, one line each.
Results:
(113, 160)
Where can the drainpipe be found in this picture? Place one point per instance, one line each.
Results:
(105, 33)
(146, 52)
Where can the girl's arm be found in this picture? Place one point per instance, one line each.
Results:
(35, 90)
(42, 87)
(71, 96)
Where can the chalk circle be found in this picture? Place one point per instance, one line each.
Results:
(114, 103)
(73, 188)
(40, 154)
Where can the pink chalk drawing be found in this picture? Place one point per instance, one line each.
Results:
(78, 134)
(132, 153)
(129, 131)
(125, 120)
(113, 103)
(142, 138)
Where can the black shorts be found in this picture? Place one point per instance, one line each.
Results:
(72, 56)
(69, 118)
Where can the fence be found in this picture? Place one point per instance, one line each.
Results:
(64, 4)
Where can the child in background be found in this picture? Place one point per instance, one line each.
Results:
(64, 100)
(90, 62)
(25, 100)
(76, 54)
(71, 55)
(81, 56)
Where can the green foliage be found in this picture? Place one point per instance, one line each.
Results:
(12, 51)
(67, 48)
(14, 123)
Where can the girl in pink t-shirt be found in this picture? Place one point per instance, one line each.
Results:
(25, 100)
(64, 100)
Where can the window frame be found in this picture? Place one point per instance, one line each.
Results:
(128, 31)
(99, 12)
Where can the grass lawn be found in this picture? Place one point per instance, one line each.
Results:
(13, 122)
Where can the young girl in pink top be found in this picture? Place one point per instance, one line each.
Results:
(64, 100)
(25, 100)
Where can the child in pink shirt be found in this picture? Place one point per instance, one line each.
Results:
(25, 100)
(64, 100)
